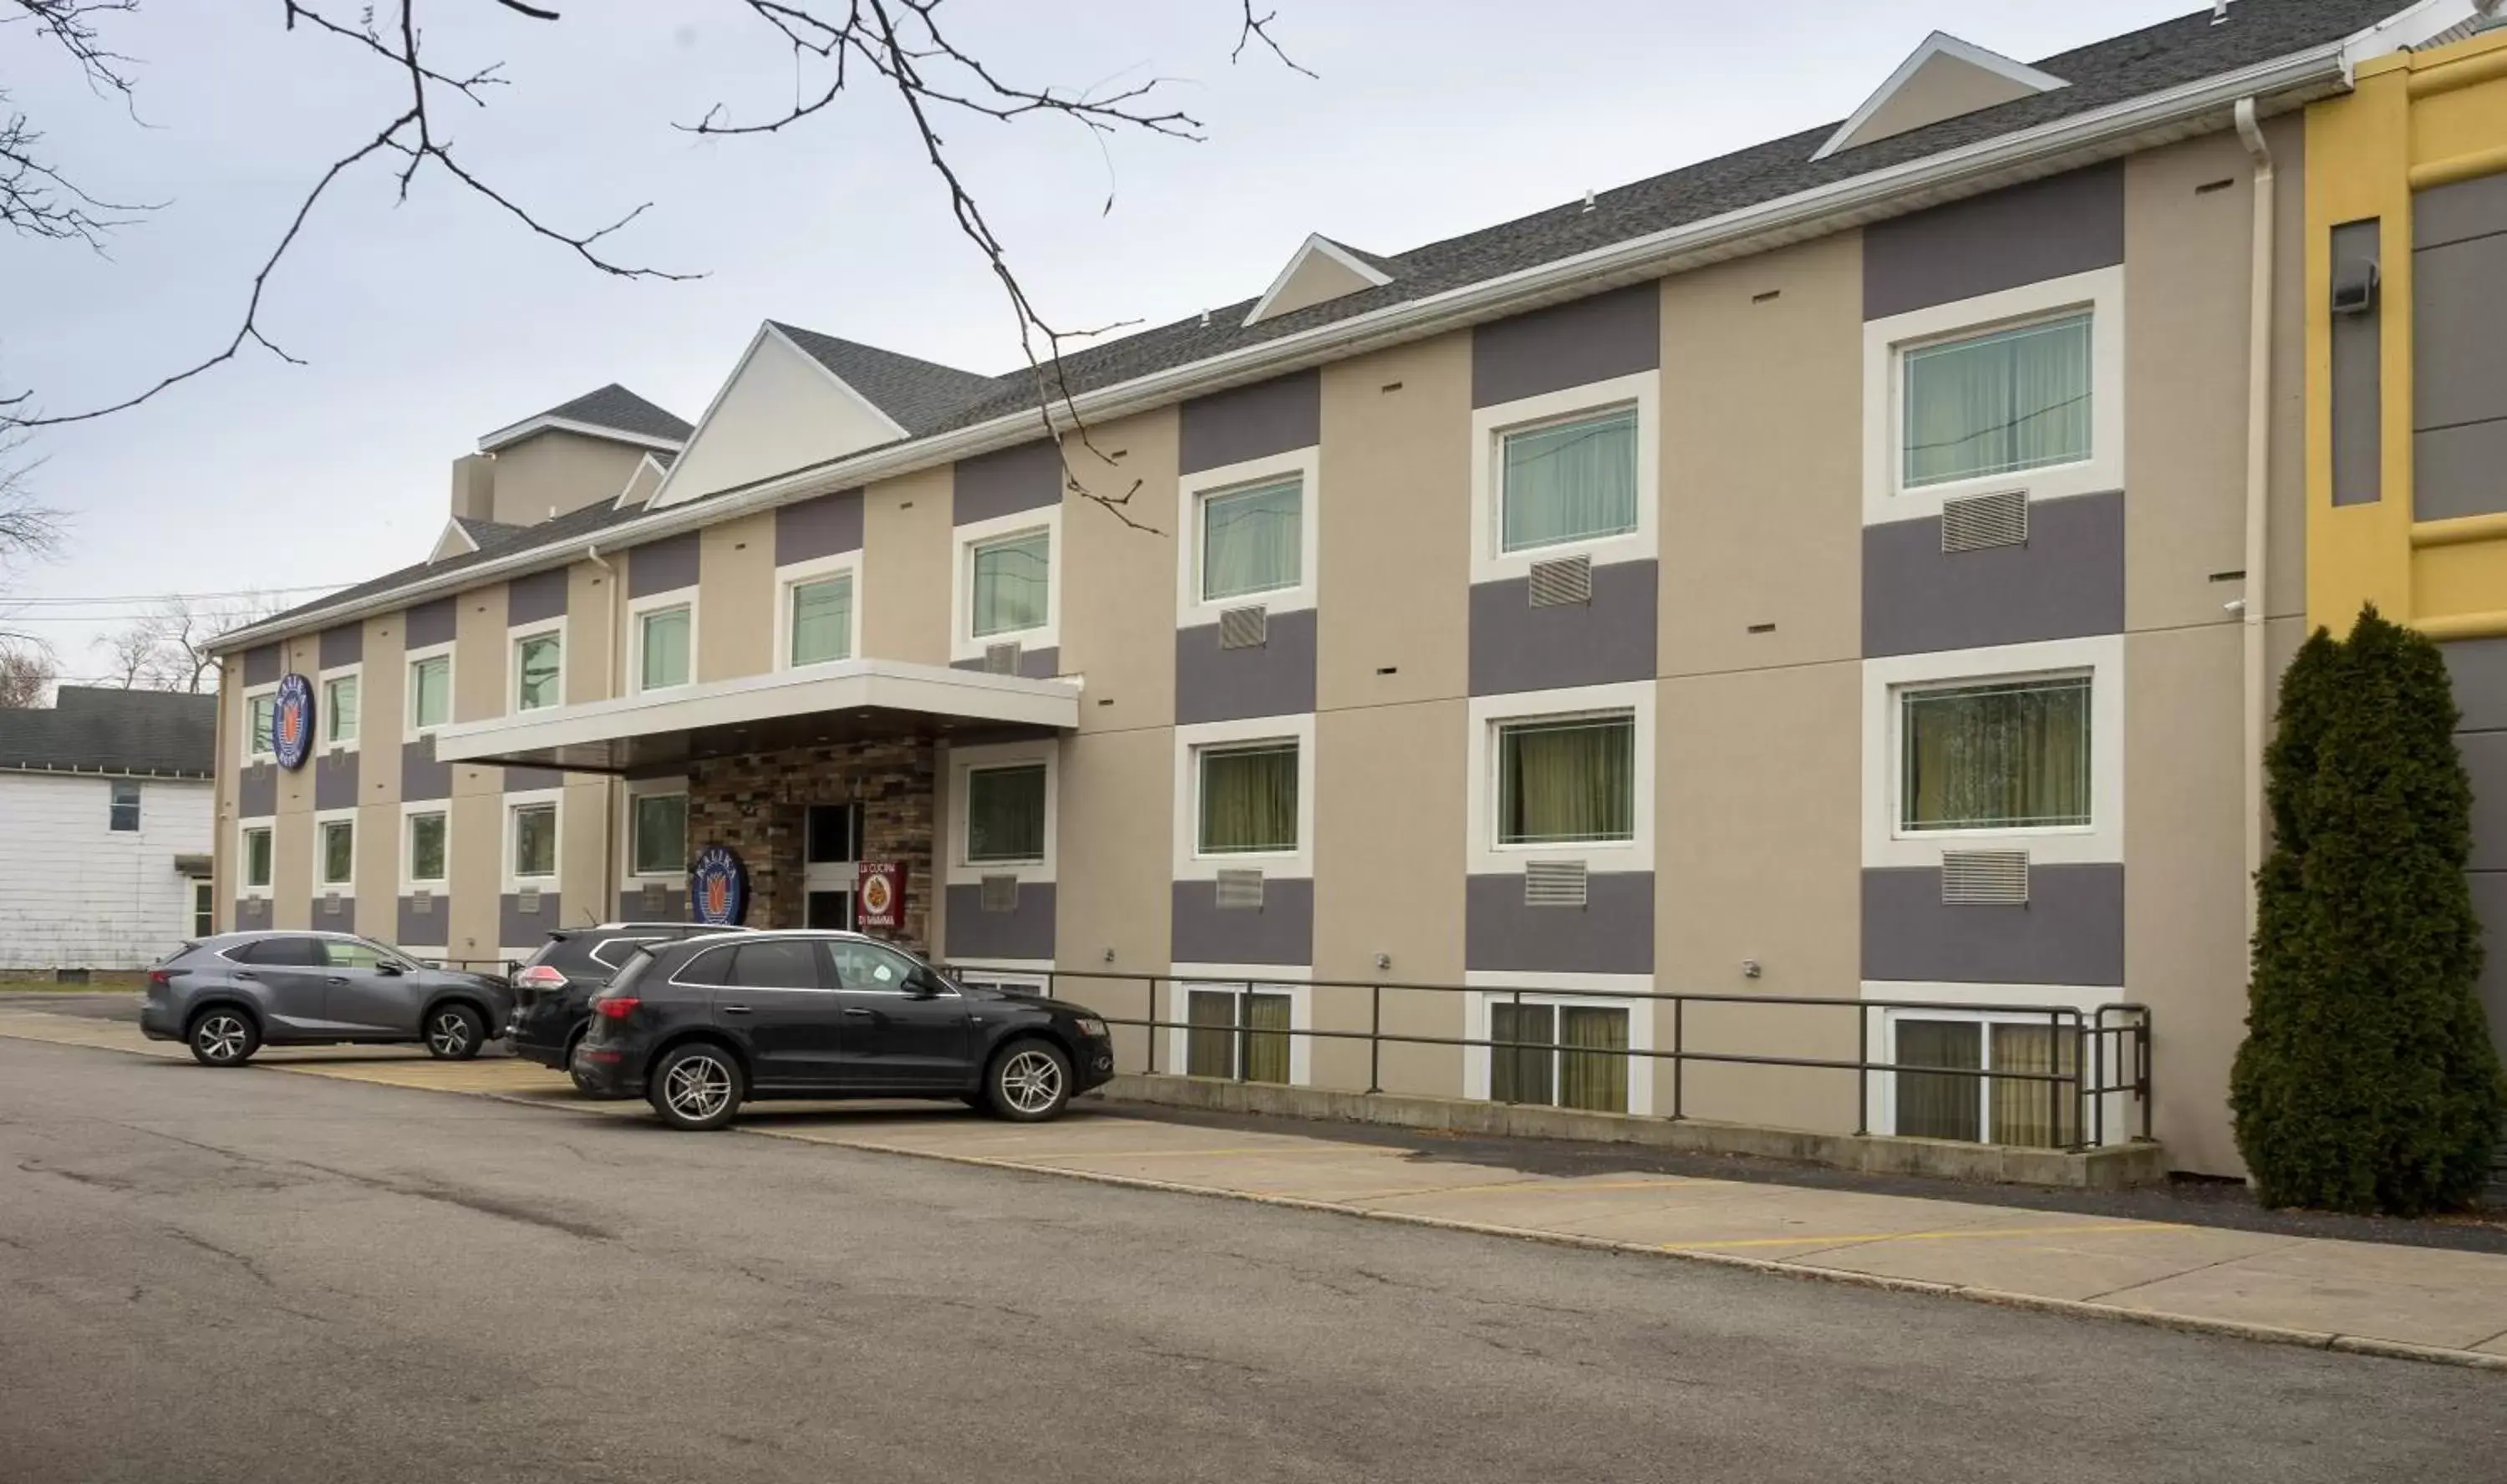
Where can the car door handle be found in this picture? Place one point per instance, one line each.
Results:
(337, 979)
(856, 1010)
(735, 1009)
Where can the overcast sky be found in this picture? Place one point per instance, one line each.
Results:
(428, 323)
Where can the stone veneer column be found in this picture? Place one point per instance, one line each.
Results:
(756, 804)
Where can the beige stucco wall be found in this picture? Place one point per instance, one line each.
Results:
(587, 872)
(736, 599)
(780, 412)
(594, 616)
(1393, 582)
(1118, 584)
(906, 555)
(1945, 89)
(1763, 460)
(1111, 892)
(475, 872)
(558, 471)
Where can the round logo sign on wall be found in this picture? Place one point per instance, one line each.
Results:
(291, 721)
(718, 887)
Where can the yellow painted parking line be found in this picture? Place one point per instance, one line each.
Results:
(1537, 1184)
(1241, 1149)
(1843, 1238)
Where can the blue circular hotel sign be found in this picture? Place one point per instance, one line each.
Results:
(718, 887)
(291, 721)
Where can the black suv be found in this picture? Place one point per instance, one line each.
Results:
(699, 1026)
(552, 993)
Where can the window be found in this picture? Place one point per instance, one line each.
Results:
(1253, 540)
(340, 710)
(430, 691)
(535, 841)
(1998, 403)
(1560, 1055)
(1006, 814)
(264, 710)
(1568, 482)
(1238, 1033)
(356, 952)
(121, 814)
(1567, 782)
(660, 830)
(539, 672)
(338, 851)
(256, 857)
(661, 643)
(1249, 799)
(1965, 1100)
(1012, 579)
(778, 963)
(823, 620)
(426, 847)
(869, 966)
(2012, 755)
(204, 907)
(281, 953)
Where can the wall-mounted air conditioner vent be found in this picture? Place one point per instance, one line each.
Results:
(1982, 520)
(1985, 878)
(528, 900)
(1000, 659)
(1241, 889)
(330, 904)
(421, 901)
(1247, 627)
(657, 900)
(1562, 580)
(1553, 884)
(1000, 894)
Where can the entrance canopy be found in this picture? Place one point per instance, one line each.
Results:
(836, 703)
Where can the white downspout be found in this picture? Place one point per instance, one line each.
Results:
(2259, 353)
(611, 796)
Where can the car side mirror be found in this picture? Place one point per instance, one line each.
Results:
(386, 966)
(922, 984)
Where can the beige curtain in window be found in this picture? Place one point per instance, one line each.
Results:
(2024, 1112)
(1567, 782)
(1931, 1105)
(1249, 799)
(1266, 1044)
(1210, 1045)
(1994, 404)
(1522, 1073)
(1589, 1075)
(1998, 756)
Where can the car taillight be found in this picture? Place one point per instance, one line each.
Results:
(159, 979)
(615, 1006)
(539, 976)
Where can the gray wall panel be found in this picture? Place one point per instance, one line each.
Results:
(1591, 340)
(257, 791)
(1283, 933)
(251, 914)
(2046, 228)
(344, 646)
(828, 526)
(1028, 477)
(668, 905)
(517, 928)
(431, 928)
(1273, 680)
(2358, 381)
(2477, 669)
(1025, 932)
(2456, 213)
(2066, 582)
(526, 779)
(334, 914)
(2458, 333)
(2484, 759)
(1518, 647)
(538, 596)
(427, 622)
(261, 665)
(2489, 902)
(421, 777)
(1613, 934)
(2459, 471)
(1253, 421)
(2071, 932)
(1034, 664)
(334, 780)
(663, 566)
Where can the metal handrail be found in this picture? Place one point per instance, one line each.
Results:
(2119, 1029)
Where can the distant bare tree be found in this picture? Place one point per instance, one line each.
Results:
(25, 674)
(169, 649)
(28, 533)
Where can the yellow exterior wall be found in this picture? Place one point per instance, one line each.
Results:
(2414, 122)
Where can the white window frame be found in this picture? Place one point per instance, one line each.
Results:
(514, 804)
(204, 903)
(1490, 562)
(1264, 979)
(322, 820)
(629, 877)
(410, 730)
(514, 640)
(244, 888)
(799, 574)
(1190, 742)
(2101, 657)
(139, 803)
(250, 753)
(409, 883)
(964, 761)
(323, 745)
(1885, 1010)
(1032, 975)
(1634, 699)
(1195, 490)
(637, 609)
(1885, 341)
(1598, 991)
(963, 643)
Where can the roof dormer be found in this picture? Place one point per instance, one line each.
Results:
(1322, 269)
(1944, 78)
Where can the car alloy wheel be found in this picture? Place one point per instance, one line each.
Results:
(1032, 1082)
(696, 1087)
(452, 1034)
(221, 1038)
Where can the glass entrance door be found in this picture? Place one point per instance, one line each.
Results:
(830, 844)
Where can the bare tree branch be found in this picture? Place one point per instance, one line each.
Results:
(25, 674)
(28, 532)
(169, 649)
(36, 199)
(1256, 28)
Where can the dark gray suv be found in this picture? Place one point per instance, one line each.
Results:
(230, 996)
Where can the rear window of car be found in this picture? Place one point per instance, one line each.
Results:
(613, 953)
(569, 953)
(280, 953)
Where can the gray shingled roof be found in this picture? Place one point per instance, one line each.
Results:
(615, 407)
(919, 394)
(481, 532)
(928, 398)
(90, 729)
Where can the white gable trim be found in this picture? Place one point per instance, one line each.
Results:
(544, 424)
(446, 544)
(648, 462)
(1939, 43)
(663, 496)
(1316, 242)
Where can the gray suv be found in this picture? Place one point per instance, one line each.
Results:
(230, 996)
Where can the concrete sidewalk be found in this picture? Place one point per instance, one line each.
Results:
(2415, 1302)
